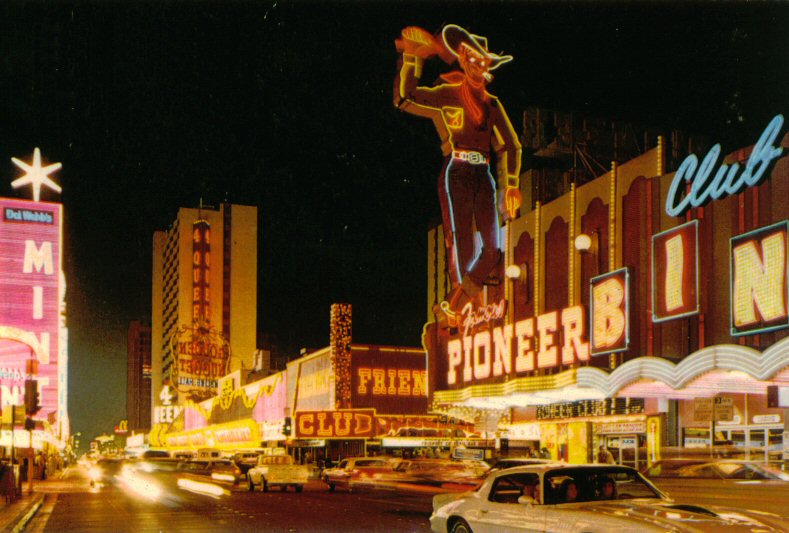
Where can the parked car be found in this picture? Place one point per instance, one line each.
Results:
(353, 469)
(277, 471)
(246, 460)
(582, 498)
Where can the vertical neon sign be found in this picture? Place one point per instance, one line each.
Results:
(201, 269)
(30, 298)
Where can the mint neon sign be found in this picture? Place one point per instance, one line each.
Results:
(706, 187)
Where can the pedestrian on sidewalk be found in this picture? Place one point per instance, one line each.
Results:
(7, 482)
(604, 456)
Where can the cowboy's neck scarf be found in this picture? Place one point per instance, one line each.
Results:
(473, 96)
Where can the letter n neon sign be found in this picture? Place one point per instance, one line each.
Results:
(759, 280)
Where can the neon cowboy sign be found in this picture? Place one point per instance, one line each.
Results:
(725, 182)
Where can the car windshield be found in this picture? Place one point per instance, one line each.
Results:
(568, 485)
(370, 462)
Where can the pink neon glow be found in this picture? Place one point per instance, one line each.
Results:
(271, 403)
(706, 385)
(40, 223)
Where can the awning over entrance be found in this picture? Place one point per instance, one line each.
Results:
(709, 371)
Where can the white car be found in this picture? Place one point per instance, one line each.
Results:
(277, 471)
(583, 499)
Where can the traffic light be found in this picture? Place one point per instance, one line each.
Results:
(30, 424)
(31, 397)
(286, 427)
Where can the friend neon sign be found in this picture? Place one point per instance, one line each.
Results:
(725, 182)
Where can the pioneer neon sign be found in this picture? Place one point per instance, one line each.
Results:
(534, 341)
(704, 187)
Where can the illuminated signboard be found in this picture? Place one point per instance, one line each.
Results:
(725, 182)
(203, 356)
(311, 382)
(759, 273)
(389, 380)
(31, 299)
(366, 423)
(610, 310)
(345, 423)
(606, 407)
(201, 272)
(496, 352)
(272, 398)
(675, 272)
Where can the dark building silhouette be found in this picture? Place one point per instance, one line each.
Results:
(138, 384)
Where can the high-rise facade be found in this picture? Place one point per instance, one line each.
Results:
(138, 380)
(204, 302)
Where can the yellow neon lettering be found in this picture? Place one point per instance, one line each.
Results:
(342, 423)
(306, 424)
(379, 382)
(365, 374)
(482, 365)
(468, 344)
(323, 431)
(675, 261)
(524, 333)
(405, 383)
(420, 383)
(364, 424)
(455, 356)
(546, 327)
(609, 316)
(502, 350)
(574, 349)
(392, 389)
(760, 284)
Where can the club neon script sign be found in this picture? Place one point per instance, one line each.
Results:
(706, 187)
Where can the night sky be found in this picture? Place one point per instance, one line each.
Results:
(151, 106)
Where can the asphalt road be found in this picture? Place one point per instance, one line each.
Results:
(158, 504)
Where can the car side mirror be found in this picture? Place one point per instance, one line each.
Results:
(526, 500)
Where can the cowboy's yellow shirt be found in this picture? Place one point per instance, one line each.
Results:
(443, 104)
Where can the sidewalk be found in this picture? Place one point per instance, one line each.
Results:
(14, 516)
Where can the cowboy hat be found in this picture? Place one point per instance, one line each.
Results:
(455, 37)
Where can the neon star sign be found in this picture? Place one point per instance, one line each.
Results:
(36, 175)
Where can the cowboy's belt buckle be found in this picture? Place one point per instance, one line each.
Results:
(476, 158)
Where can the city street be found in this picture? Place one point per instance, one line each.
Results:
(72, 505)
(770, 496)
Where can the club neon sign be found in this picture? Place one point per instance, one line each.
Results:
(705, 187)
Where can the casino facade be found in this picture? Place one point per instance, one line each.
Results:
(33, 333)
(642, 309)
